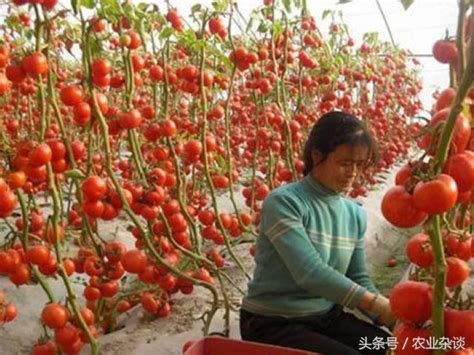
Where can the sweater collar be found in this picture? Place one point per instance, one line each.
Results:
(320, 189)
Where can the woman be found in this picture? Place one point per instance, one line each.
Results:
(310, 260)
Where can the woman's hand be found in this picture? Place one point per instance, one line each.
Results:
(381, 307)
(377, 307)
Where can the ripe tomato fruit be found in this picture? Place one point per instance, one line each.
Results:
(38, 255)
(419, 250)
(461, 168)
(67, 334)
(445, 98)
(71, 95)
(460, 324)
(8, 202)
(101, 67)
(134, 261)
(436, 196)
(20, 275)
(457, 271)
(55, 315)
(445, 51)
(35, 64)
(47, 348)
(40, 155)
(406, 334)
(399, 209)
(114, 251)
(131, 119)
(94, 188)
(412, 301)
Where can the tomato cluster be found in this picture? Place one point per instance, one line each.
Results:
(439, 184)
(8, 311)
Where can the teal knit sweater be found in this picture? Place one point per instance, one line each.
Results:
(310, 252)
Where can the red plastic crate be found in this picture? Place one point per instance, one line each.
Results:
(225, 346)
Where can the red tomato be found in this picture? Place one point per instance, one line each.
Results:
(403, 175)
(206, 217)
(398, 208)
(131, 119)
(406, 334)
(92, 293)
(419, 250)
(459, 246)
(150, 303)
(135, 40)
(436, 196)
(16, 179)
(93, 266)
(40, 155)
(55, 315)
(109, 288)
(462, 130)
(38, 255)
(21, 275)
(93, 208)
(87, 315)
(461, 168)
(412, 301)
(67, 334)
(5, 84)
(35, 64)
(15, 73)
(445, 98)
(457, 271)
(134, 261)
(8, 202)
(71, 95)
(459, 324)
(48, 4)
(101, 67)
(47, 348)
(7, 312)
(114, 251)
(94, 188)
(445, 51)
(58, 148)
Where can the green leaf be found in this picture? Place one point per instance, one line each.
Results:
(130, 12)
(111, 8)
(407, 3)
(277, 29)
(142, 6)
(95, 46)
(287, 4)
(29, 33)
(75, 6)
(196, 8)
(217, 6)
(75, 174)
(166, 33)
(262, 27)
(326, 13)
(161, 19)
(90, 4)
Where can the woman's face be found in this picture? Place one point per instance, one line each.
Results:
(341, 166)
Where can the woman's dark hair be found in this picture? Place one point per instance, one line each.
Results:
(333, 129)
